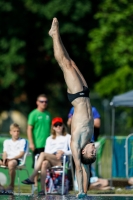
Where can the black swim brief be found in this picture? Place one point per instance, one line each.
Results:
(84, 93)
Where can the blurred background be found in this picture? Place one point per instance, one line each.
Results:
(98, 36)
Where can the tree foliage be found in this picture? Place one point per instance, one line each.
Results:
(100, 30)
(111, 47)
(27, 64)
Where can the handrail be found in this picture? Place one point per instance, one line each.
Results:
(126, 153)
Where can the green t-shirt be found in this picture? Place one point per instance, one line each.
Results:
(41, 122)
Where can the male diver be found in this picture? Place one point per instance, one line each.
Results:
(82, 126)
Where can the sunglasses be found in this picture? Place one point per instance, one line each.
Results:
(43, 101)
(58, 124)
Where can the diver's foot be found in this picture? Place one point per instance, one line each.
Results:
(54, 27)
(81, 195)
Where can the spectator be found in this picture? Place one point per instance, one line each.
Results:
(97, 121)
(56, 145)
(39, 123)
(96, 183)
(99, 184)
(13, 151)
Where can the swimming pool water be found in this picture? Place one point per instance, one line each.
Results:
(64, 197)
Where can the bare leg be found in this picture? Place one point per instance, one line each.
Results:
(35, 180)
(44, 156)
(38, 166)
(72, 75)
(45, 165)
(12, 172)
(100, 184)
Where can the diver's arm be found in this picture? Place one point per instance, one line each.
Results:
(76, 152)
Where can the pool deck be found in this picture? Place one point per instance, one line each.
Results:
(106, 194)
(24, 196)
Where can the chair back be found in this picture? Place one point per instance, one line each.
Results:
(23, 159)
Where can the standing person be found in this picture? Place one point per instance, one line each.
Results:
(13, 150)
(39, 124)
(56, 145)
(82, 126)
(97, 121)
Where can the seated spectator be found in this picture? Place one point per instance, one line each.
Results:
(99, 184)
(13, 151)
(56, 145)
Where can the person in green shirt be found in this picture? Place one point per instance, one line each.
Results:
(39, 125)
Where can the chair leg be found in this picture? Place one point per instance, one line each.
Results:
(32, 186)
(18, 181)
(27, 172)
(63, 174)
(32, 189)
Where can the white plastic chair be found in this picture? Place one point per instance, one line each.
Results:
(21, 166)
(61, 169)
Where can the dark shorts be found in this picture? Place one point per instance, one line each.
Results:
(6, 163)
(35, 152)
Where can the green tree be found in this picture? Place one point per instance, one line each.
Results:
(27, 65)
(111, 47)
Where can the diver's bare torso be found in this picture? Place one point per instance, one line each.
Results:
(82, 126)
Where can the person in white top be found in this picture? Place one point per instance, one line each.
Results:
(61, 142)
(13, 151)
(56, 145)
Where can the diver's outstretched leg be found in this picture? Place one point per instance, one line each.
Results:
(73, 77)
